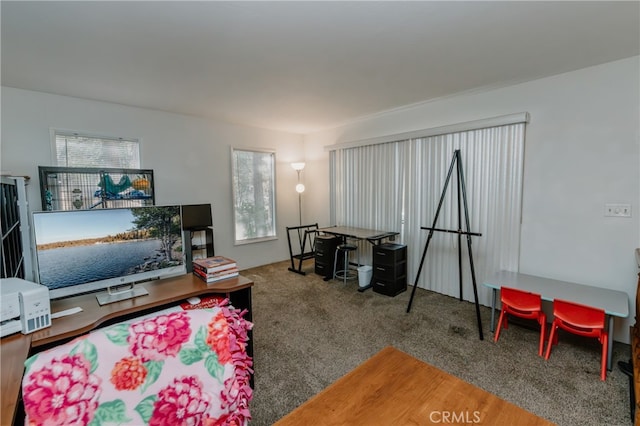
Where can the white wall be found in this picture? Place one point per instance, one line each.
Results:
(190, 157)
(582, 150)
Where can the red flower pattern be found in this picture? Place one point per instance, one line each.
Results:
(160, 337)
(128, 374)
(184, 402)
(218, 337)
(231, 419)
(62, 392)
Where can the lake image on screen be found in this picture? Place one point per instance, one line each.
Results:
(94, 262)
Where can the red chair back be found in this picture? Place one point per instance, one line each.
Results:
(522, 304)
(581, 320)
(585, 320)
(520, 300)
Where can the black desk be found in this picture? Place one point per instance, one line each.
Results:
(373, 236)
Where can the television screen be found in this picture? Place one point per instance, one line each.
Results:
(196, 216)
(87, 250)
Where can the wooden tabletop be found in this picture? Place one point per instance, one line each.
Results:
(161, 292)
(357, 233)
(393, 388)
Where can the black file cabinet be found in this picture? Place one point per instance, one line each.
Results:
(389, 269)
(325, 252)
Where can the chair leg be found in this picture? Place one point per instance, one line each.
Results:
(502, 317)
(543, 326)
(335, 264)
(553, 339)
(603, 367)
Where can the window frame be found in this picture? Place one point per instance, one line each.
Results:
(272, 201)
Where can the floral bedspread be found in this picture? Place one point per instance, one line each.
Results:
(173, 367)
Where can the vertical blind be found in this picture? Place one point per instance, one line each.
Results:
(396, 186)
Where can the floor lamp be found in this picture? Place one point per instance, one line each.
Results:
(298, 167)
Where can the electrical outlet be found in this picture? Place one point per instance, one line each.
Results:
(617, 210)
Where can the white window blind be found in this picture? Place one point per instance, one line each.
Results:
(76, 150)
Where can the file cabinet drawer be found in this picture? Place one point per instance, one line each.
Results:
(326, 243)
(324, 269)
(390, 288)
(325, 257)
(389, 254)
(390, 272)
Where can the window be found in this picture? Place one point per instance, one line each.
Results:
(94, 171)
(254, 198)
(77, 150)
(397, 186)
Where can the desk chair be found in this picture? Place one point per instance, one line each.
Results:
(581, 320)
(522, 304)
(345, 273)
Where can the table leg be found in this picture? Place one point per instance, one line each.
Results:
(493, 309)
(610, 343)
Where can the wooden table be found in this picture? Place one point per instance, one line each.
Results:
(615, 303)
(162, 293)
(393, 388)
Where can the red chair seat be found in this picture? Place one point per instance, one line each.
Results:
(580, 320)
(522, 304)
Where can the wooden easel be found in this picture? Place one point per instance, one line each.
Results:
(456, 160)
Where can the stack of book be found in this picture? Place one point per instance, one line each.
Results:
(216, 268)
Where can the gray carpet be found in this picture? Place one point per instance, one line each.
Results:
(308, 333)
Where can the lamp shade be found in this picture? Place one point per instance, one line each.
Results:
(299, 188)
(297, 166)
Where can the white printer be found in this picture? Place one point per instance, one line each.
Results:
(25, 306)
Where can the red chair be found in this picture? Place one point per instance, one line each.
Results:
(583, 321)
(521, 304)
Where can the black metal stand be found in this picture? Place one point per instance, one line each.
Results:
(461, 195)
(304, 235)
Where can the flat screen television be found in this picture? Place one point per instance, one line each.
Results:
(84, 251)
(196, 216)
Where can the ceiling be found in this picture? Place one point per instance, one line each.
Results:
(301, 66)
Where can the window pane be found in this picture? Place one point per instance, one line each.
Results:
(254, 195)
(74, 150)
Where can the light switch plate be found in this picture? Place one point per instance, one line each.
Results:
(617, 210)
